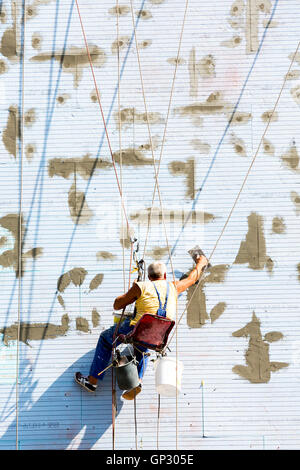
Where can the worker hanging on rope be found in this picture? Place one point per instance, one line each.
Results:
(155, 296)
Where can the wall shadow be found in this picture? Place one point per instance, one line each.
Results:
(62, 412)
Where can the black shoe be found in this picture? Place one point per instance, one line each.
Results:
(84, 382)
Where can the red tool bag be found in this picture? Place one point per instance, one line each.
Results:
(150, 331)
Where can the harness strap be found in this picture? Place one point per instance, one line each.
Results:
(162, 312)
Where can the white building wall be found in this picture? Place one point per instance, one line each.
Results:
(251, 408)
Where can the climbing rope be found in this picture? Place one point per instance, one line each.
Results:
(20, 266)
(242, 186)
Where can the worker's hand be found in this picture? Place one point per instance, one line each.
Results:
(202, 260)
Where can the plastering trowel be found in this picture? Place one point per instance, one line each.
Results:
(195, 253)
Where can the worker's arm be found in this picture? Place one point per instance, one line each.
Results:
(193, 277)
(131, 296)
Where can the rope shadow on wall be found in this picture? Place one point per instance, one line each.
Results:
(81, 414)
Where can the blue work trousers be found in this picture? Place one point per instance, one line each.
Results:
(104, 348)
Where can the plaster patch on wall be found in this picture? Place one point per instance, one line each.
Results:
(82, 325)
(298, 269)
(236, 23)
(36, 41)
(30, 151)
(42, 2)
(259, 367)
(106, 255)
(75, 276)
(173, 216)
(95, 318)
(120, 44)
(240, 118)
(74, 60)
(85, 166)
(61, 99)
(79, 210)
(132, 116)
(31, 11)
(292, 75)
(196, 303)
(61, 301)
(272, 24)
(202, 147)
(252, 16)
(213, 105)
(268, 147)
(3, 67)
(264, 5)
(144, 44)
(217, 311)
(8, 44)
(291, 159)
(278, 225)
(96, 281)
(35, 331)
(237, 8)
(238, 145)
(33, 253)
(30, 117)
(93, 96)
(175, 61)
(3, 14)
(233, 42)
(12, 132)
(205, 68)
(10, 258)
(193, 74)
(3, 241)
(186, 168)
(122, 10)
(125, 237)
(296, 200)
(266, 116)
(158, 252)
(253, 250)
(144, 14)
(132, 157)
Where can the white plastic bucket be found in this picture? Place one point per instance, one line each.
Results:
(165, 376)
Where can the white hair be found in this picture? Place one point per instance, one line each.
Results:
(157, 270)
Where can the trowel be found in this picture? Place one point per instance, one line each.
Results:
(195, 253)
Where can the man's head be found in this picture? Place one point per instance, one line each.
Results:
(157, 270)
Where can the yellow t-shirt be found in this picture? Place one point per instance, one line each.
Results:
(148, 301)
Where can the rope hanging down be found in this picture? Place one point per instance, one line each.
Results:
(242, 186)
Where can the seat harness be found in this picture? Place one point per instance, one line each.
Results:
(162, 310)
